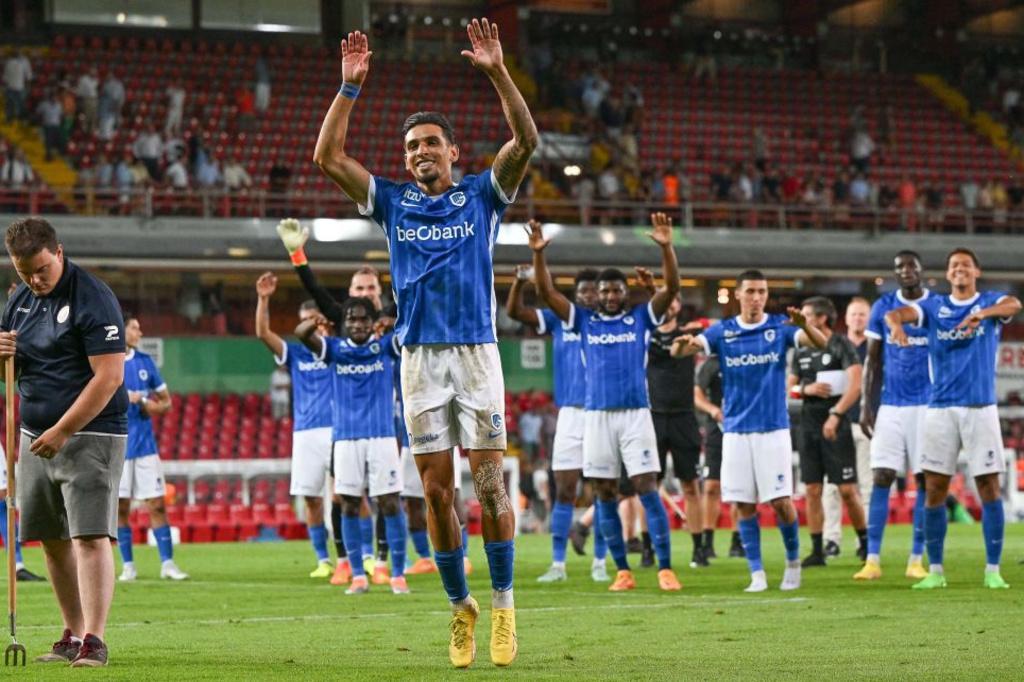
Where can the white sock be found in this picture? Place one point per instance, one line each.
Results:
(460, 604)
(914, 558)
(936, 569)
(129, 564)
(597, 562)
(502, 599)
(874, 558)
(795, 563)
(18, 566)
(992, 568)
(558, 564)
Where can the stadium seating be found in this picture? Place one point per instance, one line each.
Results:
(702, 124)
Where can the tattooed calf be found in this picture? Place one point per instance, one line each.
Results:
(490, 489)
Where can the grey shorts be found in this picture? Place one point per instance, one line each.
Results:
(75, 493)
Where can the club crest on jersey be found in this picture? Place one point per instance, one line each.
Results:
(458, 199)
(628, 319)
(374, 347)
(769, 335)
(497, 421)
(945, 312)
(975, 308)
(143, 375)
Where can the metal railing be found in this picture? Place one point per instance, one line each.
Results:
(219, 203)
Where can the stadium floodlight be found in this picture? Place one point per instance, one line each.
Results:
(607, 237)
(572, 170)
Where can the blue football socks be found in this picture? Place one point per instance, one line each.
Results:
(561, 520)
(750, 536)
(657, 526)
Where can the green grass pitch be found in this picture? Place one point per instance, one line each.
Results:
(250, 612)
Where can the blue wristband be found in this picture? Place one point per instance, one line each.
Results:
(349, 90)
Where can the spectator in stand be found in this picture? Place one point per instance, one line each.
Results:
(175, 108)
(841, 189)
(148, 148)
(123, 176)
(235, 175)
(742, 188)
(594, 88)
(584, 192)
(791, 188)
(530, 424)
(280, 392)
(87, 90)
(1011, 98)
(103, 173)
(17, 74)
(69, 108)
(634, 105)
(721, 184)
(706, 66)
(176, 176)
(245, 104)
(907, 202)
(933, 204)
(50, 114)
(1000, 203)
(969, 191)
(609, 186)
(771, 186)
(174, 149)
(612, 116)
(886, 197)
(887, 126)
(112, 98)
(1015, 193)
(860, 191)
(861, 149)
(629, 146)
(208, 173)
(262, 99)
(760, 148)
(280, 177)
(16, 173)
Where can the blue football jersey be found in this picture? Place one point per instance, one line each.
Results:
(364, 387)
(140, 376)
(962, 362)
(905, 379)
(442, 273)
(615, 356)
(567, 352)
(752, 359)
(311, 387)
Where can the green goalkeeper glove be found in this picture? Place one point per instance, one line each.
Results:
(293, 236)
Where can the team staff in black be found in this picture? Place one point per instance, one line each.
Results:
(707, 398)
(64, 328)
(670, 387)
(829, 382)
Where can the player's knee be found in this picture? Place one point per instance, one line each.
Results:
(437, 495)
(784, 509)
(691, 488)
(712, 488)
(988, 487)
(849, 492)
(566, 494)
(645, 483)
(813, 491)
(350, 505)
(883, 478)
(388, 504)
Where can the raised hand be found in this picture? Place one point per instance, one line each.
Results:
(524, 272)
(646, 278)
(662, 229)
(266, 285)
(486, 54)
(292, 234)
(536, 236)
(680, 344)
(355, 58)
(971, 321)
(796, 318)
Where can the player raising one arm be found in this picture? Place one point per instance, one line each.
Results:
(441, 237)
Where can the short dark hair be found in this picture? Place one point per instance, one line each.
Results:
(822, 306)
(965, 251)
(28, 236)
(309, 304)
(128, 316)
(909, 252)
(749, 275)
(611, 275)
(367, 269)
(358, 302)
(433, 117)
(586, 275)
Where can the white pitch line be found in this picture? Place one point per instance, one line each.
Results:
(446, 612)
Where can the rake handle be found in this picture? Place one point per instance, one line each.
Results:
(12, 509)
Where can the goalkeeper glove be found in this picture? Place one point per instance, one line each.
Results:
(294, 237)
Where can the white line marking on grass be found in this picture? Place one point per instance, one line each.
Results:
(396, 614)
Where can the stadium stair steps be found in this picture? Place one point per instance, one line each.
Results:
(986, 126)
(57, 173)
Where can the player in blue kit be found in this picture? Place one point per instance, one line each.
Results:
(441, 237)
(897, 430)
(312, 415)
(618, 428)
(757, 454)
(570, 383)
(365, 448)
(963, 338)
(141, 478)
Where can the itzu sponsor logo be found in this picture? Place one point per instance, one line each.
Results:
(959, 334)
(412, 195)
(602, 339)
(362, 369)
(435, 233)
(748, 359)
(312, 366)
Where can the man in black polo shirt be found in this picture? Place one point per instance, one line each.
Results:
(670, 386)
(64, 328)
(829, 381)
